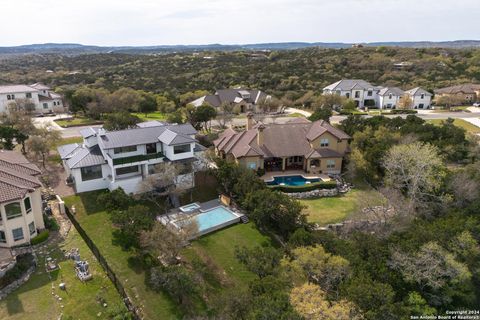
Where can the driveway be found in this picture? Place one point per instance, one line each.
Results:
(50, 120)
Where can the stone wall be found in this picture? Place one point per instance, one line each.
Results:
(17, 283)
(321, 193)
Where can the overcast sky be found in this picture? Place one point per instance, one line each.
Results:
(155, 22)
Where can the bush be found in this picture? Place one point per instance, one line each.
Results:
(24, 262)
(351, 112)
(50, 223)
(41, 237)
(307, 187)
(403, 111)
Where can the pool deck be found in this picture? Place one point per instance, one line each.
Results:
(268, 176)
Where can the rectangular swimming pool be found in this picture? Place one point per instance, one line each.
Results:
(211, 220)
(297, 180)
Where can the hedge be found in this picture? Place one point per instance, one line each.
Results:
(42, 236)
(401, 111)
(351, 112)
(306, 187)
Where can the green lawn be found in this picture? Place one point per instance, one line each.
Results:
(34, 299)
(460, 123)
(296, 115)
(157, 115)
(77, 121)
(335, 209)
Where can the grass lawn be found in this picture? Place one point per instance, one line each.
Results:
(124, 263)
(77, 121)
(157, 115)
(34, 299)
(296, 115)
(335, 209)
(460, 123)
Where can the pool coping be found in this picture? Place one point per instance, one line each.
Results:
(292, 175)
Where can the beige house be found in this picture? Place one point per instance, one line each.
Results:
(468, 93)
(314, 147)
(20, 200)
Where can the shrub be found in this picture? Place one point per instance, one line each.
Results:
(351, 112)
(24, 262)
(50, 223)
(41, 237)
(403, 111)
(307, 187)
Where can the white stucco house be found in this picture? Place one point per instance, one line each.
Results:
(38, 96)
(20, 200)
(389, 97)
(367, 95)
(421, 99)
(124, 158)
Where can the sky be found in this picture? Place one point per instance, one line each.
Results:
(160, 22)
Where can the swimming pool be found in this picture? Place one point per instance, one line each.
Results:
(211, 220)
(190, 207)
(297, 180)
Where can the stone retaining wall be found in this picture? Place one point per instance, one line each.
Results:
(17, 283)
(314, 194)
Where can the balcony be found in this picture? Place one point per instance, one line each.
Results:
(137, 158)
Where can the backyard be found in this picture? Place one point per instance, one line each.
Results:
(34, 299)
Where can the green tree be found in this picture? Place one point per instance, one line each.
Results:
(176, 281)
(147, 103)
(131, 221)
(321, 114)
(203, 114)
(262, 261)
(120, 121)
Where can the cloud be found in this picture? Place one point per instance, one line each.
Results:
(151, 22)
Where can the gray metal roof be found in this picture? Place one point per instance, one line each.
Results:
(418, 91)
(66, 150)
(349, 84)
(170, 138)
(88, 132)
(19, 88)
(393, 90)
(153, 123)
(86, 157)
(136, 136)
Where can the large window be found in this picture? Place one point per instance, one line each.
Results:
(13, 210)
(91, 173)
(28, 95)
(45, 105)
(357, 94)
(347, 95)
(323, 142)
(125, 149)
(17, 234)
(369, 93)
(181, 148)
(330, 164)
(28, 204)
(3, 239)
(126, 170)
(31, 227)
(151, 148)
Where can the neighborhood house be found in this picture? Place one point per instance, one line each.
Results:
(20, 200)
(37, 97)
(314, 147)
(246, 99)
(124, 158)
(467, 93)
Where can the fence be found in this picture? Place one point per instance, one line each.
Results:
(103, 262)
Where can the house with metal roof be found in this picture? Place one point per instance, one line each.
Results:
(37, 97)
(367, 95)
(314, 147)
(247, 99)
(124, 158)
(21, 215)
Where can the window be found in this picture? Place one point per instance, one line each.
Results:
(330, 164)
(390, 96)
(422, 96)
(91, 173)
(31, 227)
(125, 149)
(347, 95)
(13, 210)
(389, 105)
(17, 234)
(323, 142)
(45, 105)
(314, 163)
(369, 93)
(181, 148)
(28, 205)
(152, 168)
(10, 97)
(126, 170)
(151, 148)
(28, 95)
(252, 165)
(357, 94)
(3, 239)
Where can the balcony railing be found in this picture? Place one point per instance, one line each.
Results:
(137, 158)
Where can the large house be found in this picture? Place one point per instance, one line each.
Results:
(124, 158)
(468, 93)
(314, 147)
(367, 95)
(246, 99)
(40, 98)
(20, 200)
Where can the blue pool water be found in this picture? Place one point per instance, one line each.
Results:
(214, 217)
(291, 180)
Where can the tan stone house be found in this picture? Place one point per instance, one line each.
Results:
(468, 93)
(314, 147)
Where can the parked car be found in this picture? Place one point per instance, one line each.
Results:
(476, 104)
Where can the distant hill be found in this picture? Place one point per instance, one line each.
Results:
(73, 48)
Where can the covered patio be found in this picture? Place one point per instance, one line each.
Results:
(284, 163)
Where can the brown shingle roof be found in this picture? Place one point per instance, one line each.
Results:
(279, 140)
(463, 88)
(17, 176)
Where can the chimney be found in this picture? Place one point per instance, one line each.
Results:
(249, 121)
(260, 129)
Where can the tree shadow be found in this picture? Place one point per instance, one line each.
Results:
(90, 202)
